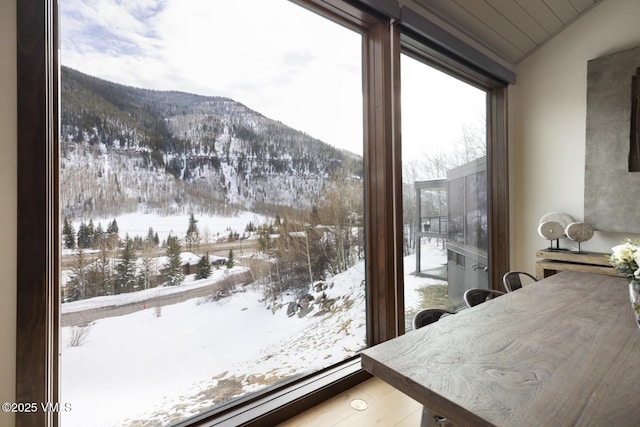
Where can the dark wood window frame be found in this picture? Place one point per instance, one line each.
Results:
(37, 371)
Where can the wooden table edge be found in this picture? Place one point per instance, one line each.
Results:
(439, 405)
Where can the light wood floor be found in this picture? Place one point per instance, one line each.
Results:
(386, 407)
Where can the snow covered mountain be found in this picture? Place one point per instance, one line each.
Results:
(125, 149)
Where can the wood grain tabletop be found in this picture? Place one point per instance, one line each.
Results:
(564, 351)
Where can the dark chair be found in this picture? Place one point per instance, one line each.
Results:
(428, 316)
(514, 280)
(424, 318)
(475, 296)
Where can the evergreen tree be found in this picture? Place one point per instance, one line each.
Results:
(204, 267)
(126, 280)
(193, 236)
(84, 236)
(175, 275)
(151, 238)
(77, 286)
(112, 235)
(98, 236)
(91, 234)
(113, 227)
(232, 259)
(138, 243)
(68, 235)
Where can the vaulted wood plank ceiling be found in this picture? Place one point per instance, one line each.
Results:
(512, 29)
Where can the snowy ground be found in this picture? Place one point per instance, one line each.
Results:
(140, 369)
(134, 366)
(137, 224)
(432, 256)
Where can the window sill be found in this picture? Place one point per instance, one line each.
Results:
(272, 407)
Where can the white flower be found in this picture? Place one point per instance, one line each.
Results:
(626, 258)
(623, 253)
(636, 258)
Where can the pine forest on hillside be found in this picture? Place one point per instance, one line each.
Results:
(127, 150)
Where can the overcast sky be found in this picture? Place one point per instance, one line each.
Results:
(271, 55)
(435, 108)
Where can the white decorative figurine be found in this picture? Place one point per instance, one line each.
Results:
(552, 227)
(579, 232)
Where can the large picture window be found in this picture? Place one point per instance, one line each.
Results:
(445, 226)
(213, 211)
(211, 201)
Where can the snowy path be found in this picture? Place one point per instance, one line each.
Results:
(172, 296)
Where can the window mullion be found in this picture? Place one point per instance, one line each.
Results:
(383, 189)
(498, 189)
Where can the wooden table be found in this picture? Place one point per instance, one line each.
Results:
(564, 351)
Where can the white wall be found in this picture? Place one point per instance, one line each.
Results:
(547, 126)
(8, 187)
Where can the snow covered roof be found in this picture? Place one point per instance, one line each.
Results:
(185, 258)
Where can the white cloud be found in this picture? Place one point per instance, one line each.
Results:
(103, 25)
(273, 56)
